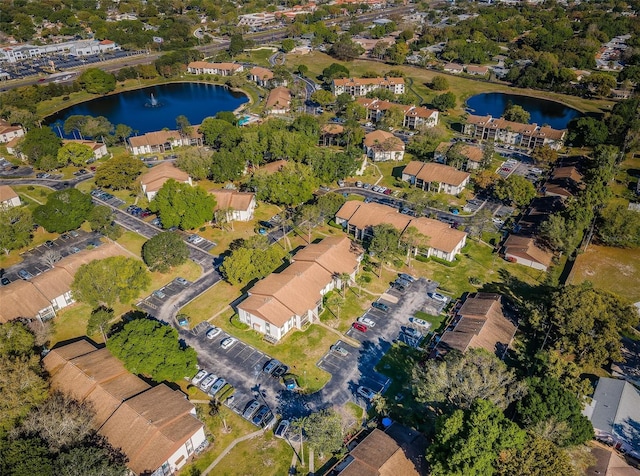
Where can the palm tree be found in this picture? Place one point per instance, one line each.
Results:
(217, 409)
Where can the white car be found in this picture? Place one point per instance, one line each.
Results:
(228, 342)
(206, 383)
(438, 297)
(366, 393)
(195, 239)
(199, 377)
(420, 322)
(367, 321)
(213, 332)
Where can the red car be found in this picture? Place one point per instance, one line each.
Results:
(360, 326)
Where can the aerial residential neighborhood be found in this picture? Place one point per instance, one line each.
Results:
(348, 237)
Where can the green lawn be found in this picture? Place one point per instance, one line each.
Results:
(436, 321)
(270, 454)
(340, 312)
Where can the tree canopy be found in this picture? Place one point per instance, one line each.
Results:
(41, 145)
(324, 431)
(516, 189)
(65, 210)
(164, 251)
(292, 185)
(184, 206)
(252, 259)
(469, 442)
(516, 113)
(107, 281)
(97, 81)
(151, 348)
(101, 220)
(537, 457)
(16, 225)
(74, 153)
(119, 172)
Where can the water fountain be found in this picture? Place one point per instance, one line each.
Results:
(153, 102)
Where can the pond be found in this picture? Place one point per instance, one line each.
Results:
(156, 107)
(542, 111)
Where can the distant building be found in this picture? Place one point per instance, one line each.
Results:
(476, 70)
(381, 146)
(293, 298)
(414, 117)
(508, 132)
(453, 68)
(153, 180)
(8, 197)
(163, 141)
(435, 177)
(9, 132)
(98, 148)
(357, 87)
(278, 101)
(18, 53)
(155, 427)
(331, 134)
(564, 182)
(524, 250)
(442, 241)
(256, 20)
(261, 76)
(221, 69)
(45, 294)
(239, 205)
(479, 323)
(615, 414)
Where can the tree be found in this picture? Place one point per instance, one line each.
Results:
(469, 442)
(227, 116)
(516, 113)
(324, 431)
(587, 131)
(254, 258)
(122, 132)
(89, 461)
(384, 244)
(288, 45)
(25, 457)
(99, 321)
(65, 210)
(16, 340)
(151, 348)
(586, 323)
(213, 130)
(236, 44)
(40, 144)
(51, 257)
(537, 457)
(303, 70)
(619, 226)
(106, 281)
(292, 185)
(549, 401)
(226, 165)
(323, 97)
(393, 117)
(600, 83)
(16, 225)
(488, 152)
(516, 189)
(345, 49)
(60, 421)
(309, 218)
(439, 83)
(329, 204)
(74, 153)
(459, 380)
(444, 102)
(397, 53)
(119, 173)
(559, 233)
(97, 81)
(181, 205)
(101, 220)
(545, 156)
(196, 162)
(334, 71)
(164, 251)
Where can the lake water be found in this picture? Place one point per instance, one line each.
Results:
(542, 111)
(133, 108)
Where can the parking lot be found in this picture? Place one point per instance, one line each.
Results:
(158, 297)
(357, 367)
(38, 260)
(241, 366)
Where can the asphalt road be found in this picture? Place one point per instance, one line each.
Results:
(49, 183)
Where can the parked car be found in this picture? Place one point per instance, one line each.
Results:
(407, 277)
(419, 322)
(207, 382)
(290, 383)
(366, 321)
(339, 350)
(282, 428)
(159, 294)
(48, 244)
(228, 342)
(366, 393)
(4, 281)
(259, 415)
(216, 387)
(399, 287)
(270, 366)
(411, 332)
(438, 297)
(74, 233)
(182, 281)
(403, 282)
(200, 376)
(213, 332)
(251, 408)
(156, 222)
(380, 306)
(360, 327)
(24, 274)
(73, 250)
(195, 239)
(279, 371)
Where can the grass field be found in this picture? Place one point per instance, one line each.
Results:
(613, 269)
(270, 454)
(463, 88)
